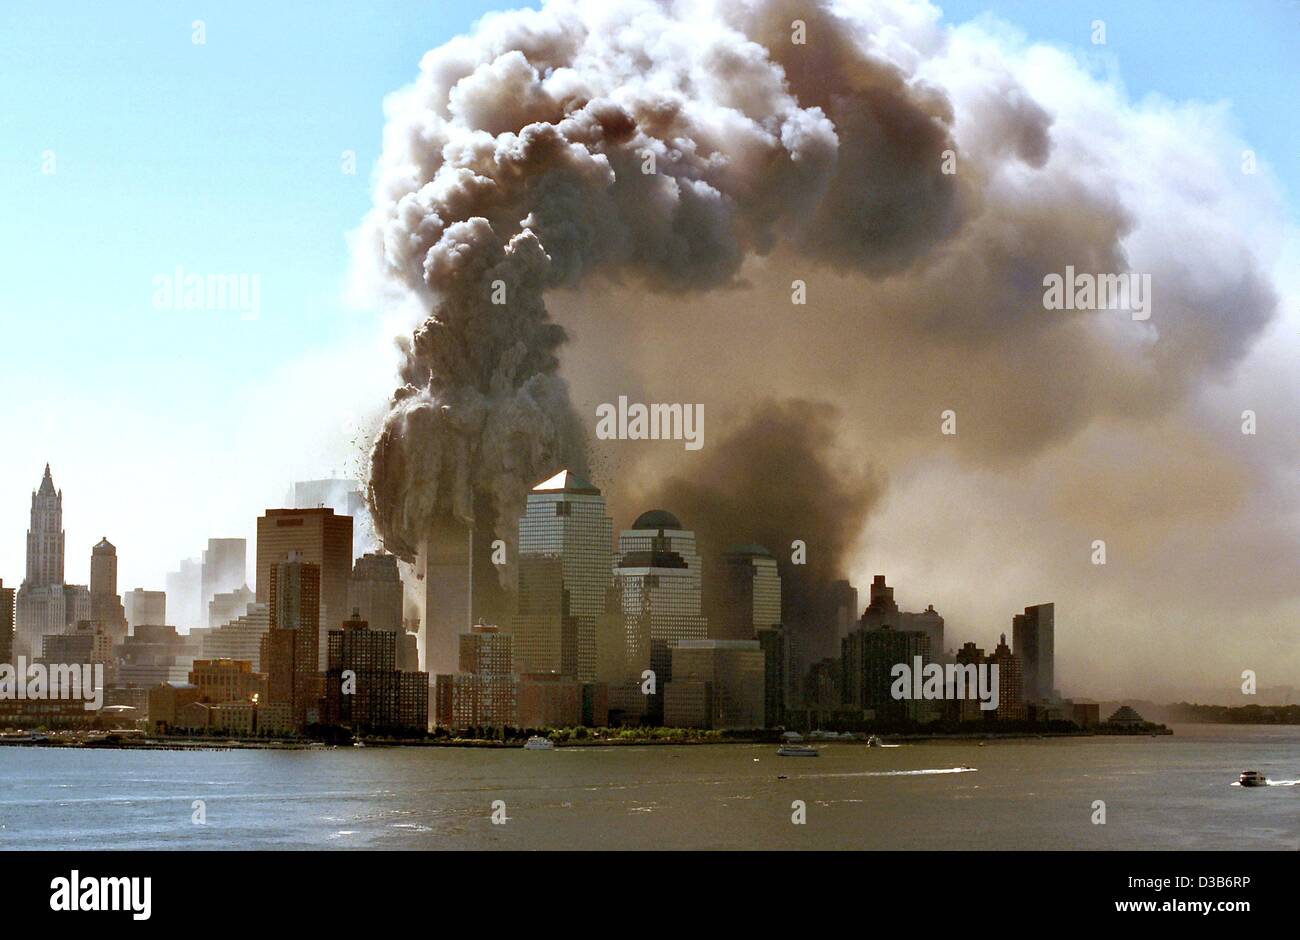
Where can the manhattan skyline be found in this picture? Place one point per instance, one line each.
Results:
(165, 428)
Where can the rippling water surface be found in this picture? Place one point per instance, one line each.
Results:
(1163, 793)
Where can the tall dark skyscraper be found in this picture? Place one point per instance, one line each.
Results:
(6, 624)
(1033, 638)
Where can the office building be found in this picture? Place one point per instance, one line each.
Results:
(375, 592)
(153, 654)
(368, 698)
(229, 605)
(883, 611)
(105, 604)
(716, 684)
(289, 653)
(41, 605)
(445, 569)
(145, 608)
(744, 593)
(776, 672)
(658, 579)
(867, 662)
(6, 624)
(346, 498)
(224, 570)
(1011, 682)
(226, 680)
(184, 588)
(484, 693)
(565, 554)
(1034, 642)
(322, 539)
(241, 638)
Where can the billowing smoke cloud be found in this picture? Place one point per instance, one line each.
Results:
(660, 174)
(776, 478)
(643, 141)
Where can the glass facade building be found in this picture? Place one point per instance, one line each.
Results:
(565, 556)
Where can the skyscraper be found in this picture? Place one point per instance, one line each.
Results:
(658, 579)
(1011, 682)
(105, 605)
(41, 606)
(289, 648)
(145, 608)
(445, 568)
(45, 538)
(6, 624)
(869, 657)
(1033, 638)
(565, 554)
(322, 539)
(745, 589)
(344, 496)
(225, 569)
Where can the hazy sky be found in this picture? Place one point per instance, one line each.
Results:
(166, 427)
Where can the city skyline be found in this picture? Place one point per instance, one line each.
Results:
(1145, 454)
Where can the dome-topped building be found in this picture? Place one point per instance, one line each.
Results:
(658, 519)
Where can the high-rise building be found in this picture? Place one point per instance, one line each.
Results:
(6, 624)
(658, 579)
(869, 657)
(44, 603)
(322, 539)
(776, 675)
(484, 693)
(565, 554)
(1033, 638)
(445, 569)
(227, 606)
(844, 605)
(184, 588)
(145, 607)
(225, 570)
(345, 497)
(375, 592)
(45, 537)
(241, 638)
(744, 593)
(883, 611)
(1011, 682)
(105, 603)
(289, 647)
(155, 653)
(716, 684)
(362, 683)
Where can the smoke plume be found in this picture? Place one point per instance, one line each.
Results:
(662, 174)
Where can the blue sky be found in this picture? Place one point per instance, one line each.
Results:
(225, 157)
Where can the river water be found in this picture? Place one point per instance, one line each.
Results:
(1170, 792)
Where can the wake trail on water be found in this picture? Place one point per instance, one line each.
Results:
(895, 773)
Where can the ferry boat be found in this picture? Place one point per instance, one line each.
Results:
(796, 750)
(536, 743)
(1252, 778)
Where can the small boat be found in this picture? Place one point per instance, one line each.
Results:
(1252, 778)
(537, 743)
(358, 743)
(875, 741)
(796, 750)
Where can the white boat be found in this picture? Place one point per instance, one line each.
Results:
(536, 743)
(874, 741)
(1252, 778)
(796, 750)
